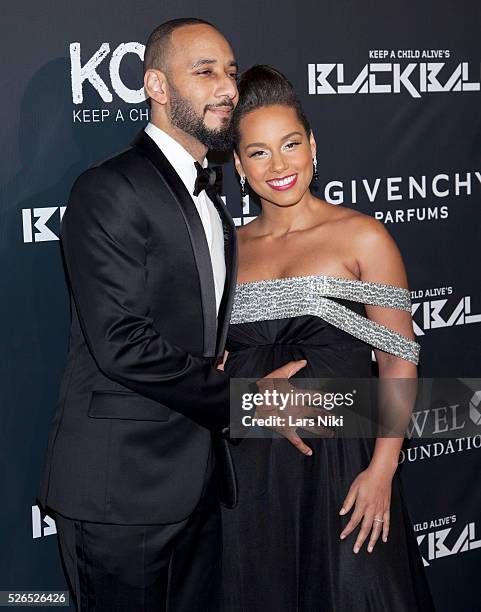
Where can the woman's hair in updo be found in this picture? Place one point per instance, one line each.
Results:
(262, 86)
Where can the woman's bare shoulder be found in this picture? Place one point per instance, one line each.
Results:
(337, 212)
(355, 223)
(375, 250)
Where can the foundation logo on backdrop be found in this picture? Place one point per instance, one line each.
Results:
(416, 72)
(449, 426)
(444, 537)
(101, 79)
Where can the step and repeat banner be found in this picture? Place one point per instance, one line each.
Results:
(394, 97)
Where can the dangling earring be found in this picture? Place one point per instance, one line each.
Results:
(242, 181)
(315, 174)
(244, 200)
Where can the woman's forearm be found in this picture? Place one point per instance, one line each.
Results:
(396, 398)
(385, 458)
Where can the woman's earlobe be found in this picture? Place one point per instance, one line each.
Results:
(312, 142)
(238, 165)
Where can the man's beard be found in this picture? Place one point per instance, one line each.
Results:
(184, 117)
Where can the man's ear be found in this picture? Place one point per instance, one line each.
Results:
(156, 86)
(312, 142)
(238, 165)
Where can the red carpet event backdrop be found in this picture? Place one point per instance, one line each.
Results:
(394, 97)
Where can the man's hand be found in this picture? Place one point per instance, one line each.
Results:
(221, 361)
(277, 380)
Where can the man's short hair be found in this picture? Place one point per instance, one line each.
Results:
(158, 44)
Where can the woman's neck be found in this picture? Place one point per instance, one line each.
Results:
(281, 220)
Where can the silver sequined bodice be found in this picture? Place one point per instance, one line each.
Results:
(309, 295)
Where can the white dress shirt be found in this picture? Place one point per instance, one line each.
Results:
(183, 164)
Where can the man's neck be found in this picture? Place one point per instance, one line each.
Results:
(190, 144)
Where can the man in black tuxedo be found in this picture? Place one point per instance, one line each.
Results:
(131, 475)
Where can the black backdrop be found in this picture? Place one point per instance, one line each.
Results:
(392, 91)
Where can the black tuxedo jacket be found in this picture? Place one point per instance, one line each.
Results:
(140, 401)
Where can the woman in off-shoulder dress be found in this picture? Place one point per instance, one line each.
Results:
(330, 531)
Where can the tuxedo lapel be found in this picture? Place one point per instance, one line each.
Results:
(230, 251)
(197, 236)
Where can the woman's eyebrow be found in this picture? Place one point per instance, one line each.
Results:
(263, 144)
(292, 134)
(256, 144)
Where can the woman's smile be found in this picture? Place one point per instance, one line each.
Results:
(284, 183)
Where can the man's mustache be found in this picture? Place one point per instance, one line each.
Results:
(227, 102)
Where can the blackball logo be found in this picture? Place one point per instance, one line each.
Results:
(416, 78)
(83, 71)
(42, 526)
(34, 220)
(446, 542)
(436, 314)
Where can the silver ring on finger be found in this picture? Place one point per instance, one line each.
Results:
(379, 520)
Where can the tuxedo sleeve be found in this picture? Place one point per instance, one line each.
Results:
(104, 239)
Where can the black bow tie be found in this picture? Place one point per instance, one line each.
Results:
(208, 179)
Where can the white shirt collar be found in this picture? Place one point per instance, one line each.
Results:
(181, 160)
